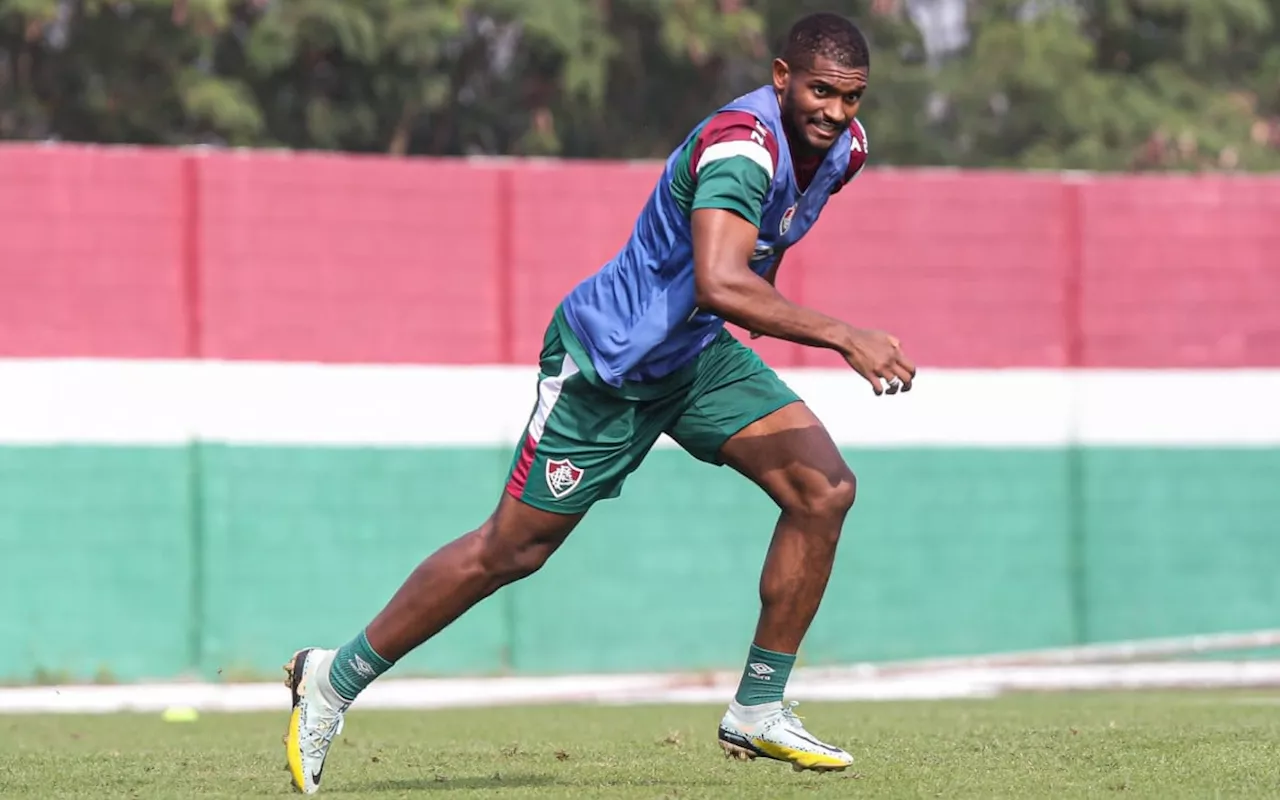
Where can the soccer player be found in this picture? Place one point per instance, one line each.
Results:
(639, 349)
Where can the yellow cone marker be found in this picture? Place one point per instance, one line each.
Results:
(180, 714)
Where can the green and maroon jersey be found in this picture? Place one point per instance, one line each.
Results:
(636, 317)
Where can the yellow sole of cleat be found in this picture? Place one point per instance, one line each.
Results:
(292, 746)
(798, 767)
(294, 751)
(801, 761)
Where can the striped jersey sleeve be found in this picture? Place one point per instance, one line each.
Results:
(857, 154)
(728, 164)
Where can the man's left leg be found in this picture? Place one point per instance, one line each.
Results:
(790, 455)
(746, 417)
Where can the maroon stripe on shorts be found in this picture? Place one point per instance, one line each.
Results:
(520, 475)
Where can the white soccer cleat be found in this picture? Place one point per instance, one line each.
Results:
(315, 718)
(774, 731)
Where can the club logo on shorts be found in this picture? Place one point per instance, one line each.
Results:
(562, 477)
(787, 216)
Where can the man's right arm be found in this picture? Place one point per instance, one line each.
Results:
(772, 277)
(723, 243)
(731, 165)
(726, 286)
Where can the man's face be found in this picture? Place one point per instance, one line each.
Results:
(818, 101)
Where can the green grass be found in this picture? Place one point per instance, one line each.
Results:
(1194, 745)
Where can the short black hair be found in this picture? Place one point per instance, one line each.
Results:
(829, 35)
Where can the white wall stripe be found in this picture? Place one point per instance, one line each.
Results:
(168, 402)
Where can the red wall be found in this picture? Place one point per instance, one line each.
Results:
(153, 253)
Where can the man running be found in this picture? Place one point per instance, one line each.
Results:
(639, 349)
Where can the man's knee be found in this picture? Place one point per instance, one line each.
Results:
(514, 543)
(508, 558)
(828, 494)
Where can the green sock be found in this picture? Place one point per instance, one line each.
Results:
(355, 666)
(765, 677)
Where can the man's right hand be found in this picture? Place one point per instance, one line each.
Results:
(876, 355)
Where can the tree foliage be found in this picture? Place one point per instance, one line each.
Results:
(1094, 84)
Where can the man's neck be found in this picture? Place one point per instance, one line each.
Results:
(805, 160)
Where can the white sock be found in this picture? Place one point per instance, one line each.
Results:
(754, 713)
(323, 685)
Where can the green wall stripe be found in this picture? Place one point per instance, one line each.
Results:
(115, 558)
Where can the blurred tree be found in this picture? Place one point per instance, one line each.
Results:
(677, 60)
(672, 62)
(433, 76)
(1116, 84)
(122, 72)
(597, 78)
(1100, 84)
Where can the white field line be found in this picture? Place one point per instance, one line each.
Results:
(805, 685)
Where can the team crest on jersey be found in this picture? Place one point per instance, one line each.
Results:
(562, 477)
(787, 215)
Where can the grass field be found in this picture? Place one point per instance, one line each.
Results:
(1169, 745)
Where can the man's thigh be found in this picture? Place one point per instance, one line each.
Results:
(580, 445)
(733, 389)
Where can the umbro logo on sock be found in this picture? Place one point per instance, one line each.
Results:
(762, 671)
(362, 667)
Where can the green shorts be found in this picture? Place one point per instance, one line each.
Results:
(584, 437)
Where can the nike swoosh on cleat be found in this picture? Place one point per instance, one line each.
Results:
(816, 743)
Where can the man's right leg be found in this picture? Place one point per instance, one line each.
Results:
(514, 542)
(578, 448)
